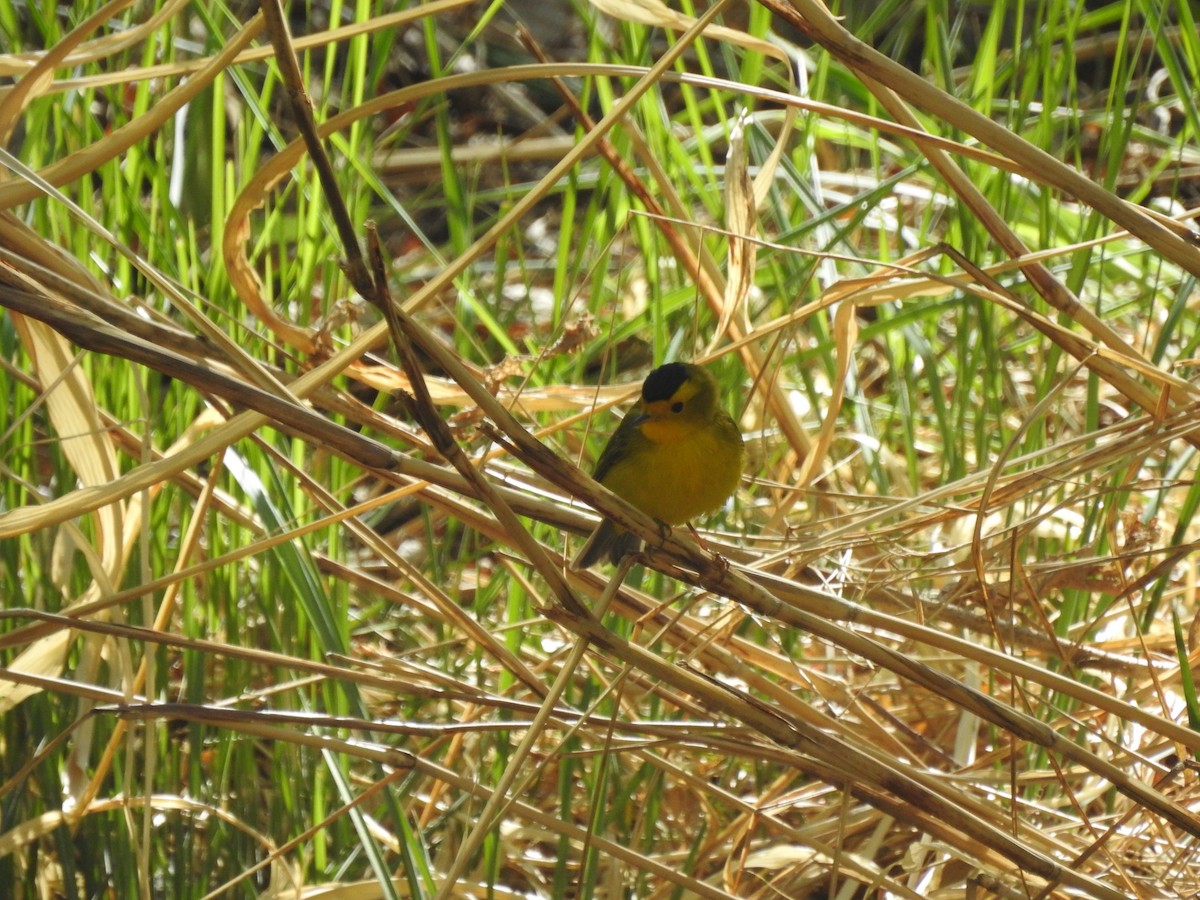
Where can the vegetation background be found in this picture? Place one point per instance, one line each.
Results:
(286, 611)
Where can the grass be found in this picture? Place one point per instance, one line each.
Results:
(280, 624)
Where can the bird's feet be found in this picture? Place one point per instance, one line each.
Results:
(722, 562)
(664, 531)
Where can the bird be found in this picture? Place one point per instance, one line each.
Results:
(676, 455)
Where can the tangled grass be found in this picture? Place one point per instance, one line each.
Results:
(308, 335)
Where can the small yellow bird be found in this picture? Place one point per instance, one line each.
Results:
(676, 454)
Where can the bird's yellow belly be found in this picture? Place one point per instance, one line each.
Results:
(677, 481)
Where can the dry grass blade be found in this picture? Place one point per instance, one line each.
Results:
(38, 77)
(740, 213)
(77, 165)
(815, 19)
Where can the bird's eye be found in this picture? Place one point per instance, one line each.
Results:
(677, 406)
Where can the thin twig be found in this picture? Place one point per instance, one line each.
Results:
(293, 80)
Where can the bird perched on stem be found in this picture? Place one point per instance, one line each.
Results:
(676, 455)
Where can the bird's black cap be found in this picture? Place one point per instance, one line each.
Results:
(663, 382)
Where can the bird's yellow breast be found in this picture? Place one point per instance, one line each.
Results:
(676, 470)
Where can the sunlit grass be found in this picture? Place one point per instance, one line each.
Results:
(991, 498)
